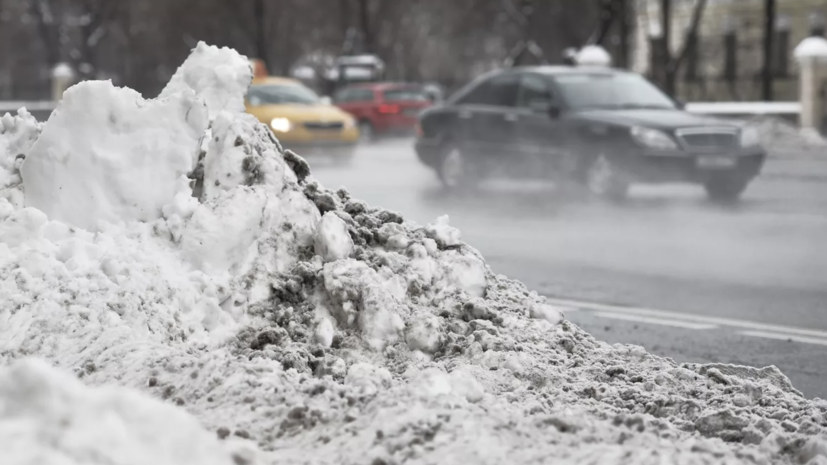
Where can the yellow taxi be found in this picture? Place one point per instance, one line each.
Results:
(300, 119)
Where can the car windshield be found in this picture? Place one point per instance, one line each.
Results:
(406, 94)
(582, 91)
(274, 94)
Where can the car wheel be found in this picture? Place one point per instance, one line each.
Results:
(366, 132)
(454, 170)
(726, 189)
(606, 180)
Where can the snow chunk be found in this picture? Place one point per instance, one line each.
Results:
(109, 155)
(546, 312)
(47, 416)
(444, 234)
(593, 55)
(220, 76)
(21, 226)
(324, 332)
(216, 239)
(17, 135)
(423, 332)
(368, 378)
(464, 272)
(332, 241)
(433, 382)
(811, 47)
(363, 299)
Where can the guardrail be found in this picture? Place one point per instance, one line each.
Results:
(785, 109)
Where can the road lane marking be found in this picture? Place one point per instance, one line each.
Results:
(655, 321)
(686, 317)
(784, 337)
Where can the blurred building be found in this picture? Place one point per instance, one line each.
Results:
(727, 61)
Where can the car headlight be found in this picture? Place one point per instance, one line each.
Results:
(280, 124)
(653, 138)
(750, 137)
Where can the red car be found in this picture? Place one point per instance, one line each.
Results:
(384, 108)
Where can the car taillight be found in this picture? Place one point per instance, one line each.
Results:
(389, 109)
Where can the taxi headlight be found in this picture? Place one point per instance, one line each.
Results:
(653, 138)
(280, 124)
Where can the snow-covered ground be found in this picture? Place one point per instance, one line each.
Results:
(218, 305)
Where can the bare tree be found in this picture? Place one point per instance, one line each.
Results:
(769, 33)
(668, 66)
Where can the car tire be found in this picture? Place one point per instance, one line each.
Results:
(454, 170)
(726, 189)
(605, 179)
(366, 131)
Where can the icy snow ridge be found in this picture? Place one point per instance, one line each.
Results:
(307, 324)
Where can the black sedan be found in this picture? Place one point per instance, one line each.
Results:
(599, 128)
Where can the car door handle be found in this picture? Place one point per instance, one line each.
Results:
(511, 117)
(465, 114)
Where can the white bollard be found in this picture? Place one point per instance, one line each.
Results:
(62, 76)
(811, 55)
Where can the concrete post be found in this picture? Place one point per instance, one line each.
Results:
(811, 55)
(62, 76)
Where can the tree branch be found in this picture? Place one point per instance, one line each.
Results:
(691, 35)
(515, 14)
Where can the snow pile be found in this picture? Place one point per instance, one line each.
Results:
(322, 330)
(48, 417)
(219, 75)
(118, 160)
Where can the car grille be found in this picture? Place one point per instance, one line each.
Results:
(324, 126)
(708, 139)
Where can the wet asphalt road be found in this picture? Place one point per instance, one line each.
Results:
(671, 263)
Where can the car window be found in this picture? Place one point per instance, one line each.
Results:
(610, 90)
(408, 94)
(533, 89)
(498, 91)
(277, 94)
(343, 96)
(354, 95)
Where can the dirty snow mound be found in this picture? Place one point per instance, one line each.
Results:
(325, 330)
(49, 417)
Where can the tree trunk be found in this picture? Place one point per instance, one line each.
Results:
(769, 35)
(261, 30)
(624, 32)
(364, 20)
(668, 74)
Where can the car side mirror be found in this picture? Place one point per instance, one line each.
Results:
(680, 104)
